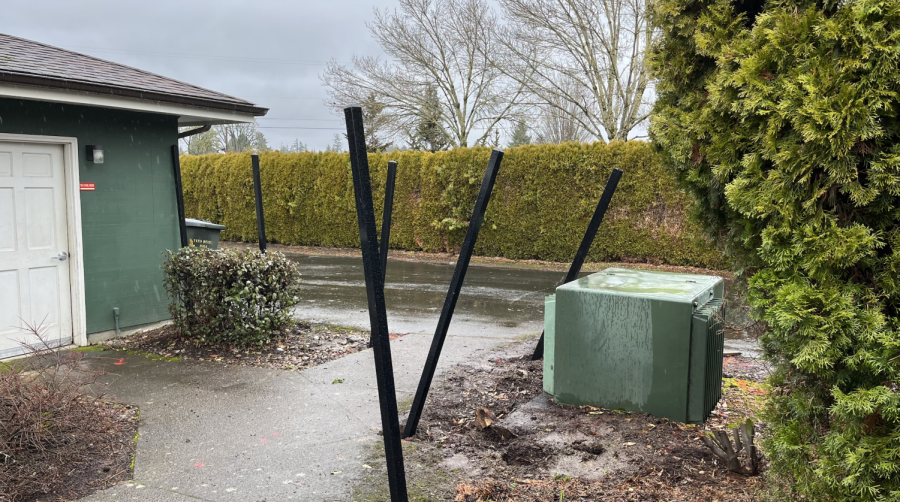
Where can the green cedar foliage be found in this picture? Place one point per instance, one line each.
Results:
(784, 127)
(542, 201)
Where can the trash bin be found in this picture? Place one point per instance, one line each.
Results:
(203, 234)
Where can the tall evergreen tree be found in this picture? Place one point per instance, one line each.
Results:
(429, 134)
(296, 147)
(783, 119)
(520, 135)
(377, 124)
(337, 144)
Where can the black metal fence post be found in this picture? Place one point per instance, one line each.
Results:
(586, 242)
(459, 274)
(179, 195)
(386, 216)
(384, 372)
(257, 190)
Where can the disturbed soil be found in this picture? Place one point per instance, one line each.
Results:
(301, 346)
(536, 450)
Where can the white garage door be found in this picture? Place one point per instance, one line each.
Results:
(34, 265)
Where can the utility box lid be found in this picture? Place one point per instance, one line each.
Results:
(190, 222)
(668, 286)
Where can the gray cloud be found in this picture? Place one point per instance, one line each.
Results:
(266, 51)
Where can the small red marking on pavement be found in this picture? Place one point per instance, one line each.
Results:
(263, 440)
(121, 361)
(198, 464)
(276, 433)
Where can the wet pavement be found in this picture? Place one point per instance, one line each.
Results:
(215, 432)
(495, 300)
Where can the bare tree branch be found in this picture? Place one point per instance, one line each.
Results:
(581, 58)
(440, 44)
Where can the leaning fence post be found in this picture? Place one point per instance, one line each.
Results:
(589, 234)
(384, 372)
(462, 264)
(386, 216)
(179, 196)
(257, 190)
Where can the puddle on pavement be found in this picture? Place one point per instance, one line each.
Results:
(495, 301)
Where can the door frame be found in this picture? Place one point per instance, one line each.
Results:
(73, 222)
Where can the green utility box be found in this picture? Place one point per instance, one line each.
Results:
(648, 342)
(202, 233)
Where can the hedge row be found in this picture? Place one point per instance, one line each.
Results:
(542, 202)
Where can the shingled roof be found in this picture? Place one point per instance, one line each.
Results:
(35, 64)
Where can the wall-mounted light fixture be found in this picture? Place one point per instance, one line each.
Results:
(95, 154)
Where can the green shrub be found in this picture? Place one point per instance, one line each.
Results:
(240, 298)
(784, 126)
(542, 202)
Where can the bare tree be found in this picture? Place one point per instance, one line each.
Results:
(558, 120)
(225, 138)
(200, 144)
(240, 138)
(597, 45)
(434, 43)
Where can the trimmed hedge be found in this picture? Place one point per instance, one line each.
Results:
(542, 202)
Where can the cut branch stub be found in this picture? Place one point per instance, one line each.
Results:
(720, 444)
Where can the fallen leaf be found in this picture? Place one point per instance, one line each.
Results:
(630, 444)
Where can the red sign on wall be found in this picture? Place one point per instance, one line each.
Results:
(87, 187)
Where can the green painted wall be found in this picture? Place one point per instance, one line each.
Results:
(131, 218)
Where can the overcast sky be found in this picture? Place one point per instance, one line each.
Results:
(266, 51)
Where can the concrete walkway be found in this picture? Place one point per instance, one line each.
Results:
(210, 432)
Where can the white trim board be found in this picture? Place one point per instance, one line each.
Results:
(187, 116)
(73, 215)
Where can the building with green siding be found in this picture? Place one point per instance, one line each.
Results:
(80, 234)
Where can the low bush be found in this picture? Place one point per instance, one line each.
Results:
(239, 298)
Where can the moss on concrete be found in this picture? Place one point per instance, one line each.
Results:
(91, 348)
(426, 481)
